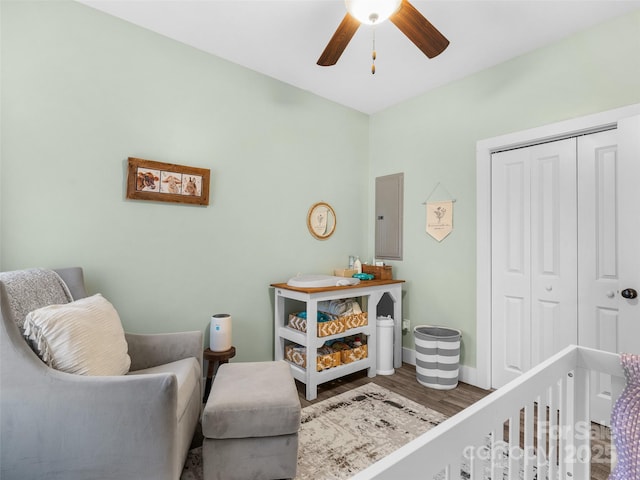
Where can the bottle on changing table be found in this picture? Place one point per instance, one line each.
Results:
(357, 265)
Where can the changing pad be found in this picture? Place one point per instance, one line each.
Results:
(317, 281)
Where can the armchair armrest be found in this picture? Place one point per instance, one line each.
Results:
(157, 349)
(68, 426)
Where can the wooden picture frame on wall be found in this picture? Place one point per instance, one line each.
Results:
(167, 182)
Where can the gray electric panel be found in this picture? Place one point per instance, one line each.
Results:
(389, 211)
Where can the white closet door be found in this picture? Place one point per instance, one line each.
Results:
(609, 258)
(510, 253)
(534, 285)
(629, 233)
(554, 259)
(598, 256)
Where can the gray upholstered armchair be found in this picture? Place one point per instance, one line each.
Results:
(57, 425)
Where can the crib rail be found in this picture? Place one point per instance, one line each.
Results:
(535, 427)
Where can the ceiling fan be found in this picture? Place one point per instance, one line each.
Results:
(401, 13)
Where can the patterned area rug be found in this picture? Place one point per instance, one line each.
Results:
(345, 434)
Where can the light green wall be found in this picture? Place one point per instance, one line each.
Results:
(433, 138)
(82, 91)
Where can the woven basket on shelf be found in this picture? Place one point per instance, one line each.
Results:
(353, 354)
(355, 320)
(332, 327)
(299, 357)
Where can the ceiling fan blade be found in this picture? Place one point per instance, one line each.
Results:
(419, 30)
(339, 41)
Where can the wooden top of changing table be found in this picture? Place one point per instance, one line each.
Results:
(362, 284)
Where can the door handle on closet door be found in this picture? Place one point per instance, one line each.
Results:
(629, 293)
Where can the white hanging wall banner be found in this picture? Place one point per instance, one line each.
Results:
(439, 219)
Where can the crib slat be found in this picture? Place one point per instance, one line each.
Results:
(541, 436)
(514, 445)
(581, 468)
(496, 452)
(478, 461)
(564, 429)
(553, 431)
(454, 470)
(529, 426)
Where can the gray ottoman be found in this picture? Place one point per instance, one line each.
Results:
(250, 423)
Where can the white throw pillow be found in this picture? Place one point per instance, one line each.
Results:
(83, 337)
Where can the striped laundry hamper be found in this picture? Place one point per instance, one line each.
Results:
(437, 356)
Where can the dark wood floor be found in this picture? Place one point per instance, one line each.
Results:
(403, 382)
(447, 402)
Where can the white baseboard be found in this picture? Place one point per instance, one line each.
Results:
(469, 375)
(466, 374)
(409, 356)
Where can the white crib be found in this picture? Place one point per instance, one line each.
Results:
(498, 437)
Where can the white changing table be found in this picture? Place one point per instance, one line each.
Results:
(371, 290)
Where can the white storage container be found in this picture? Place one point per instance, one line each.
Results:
(384, 346)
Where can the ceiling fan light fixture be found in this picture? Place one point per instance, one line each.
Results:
(372, 11)
(401, 13)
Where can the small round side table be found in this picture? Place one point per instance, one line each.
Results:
(215, 359)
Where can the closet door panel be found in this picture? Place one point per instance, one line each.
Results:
(553, 247)
(516, 326)
(534, 291)
(629, 232)
(545, 330)
(598, 266)
(511, 284)
(609, 252)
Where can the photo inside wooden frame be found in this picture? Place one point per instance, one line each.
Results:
(167, 182)
(321, 220)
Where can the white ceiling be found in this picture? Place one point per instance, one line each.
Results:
(283, 39)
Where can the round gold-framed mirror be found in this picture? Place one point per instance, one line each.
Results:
(321, 220)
